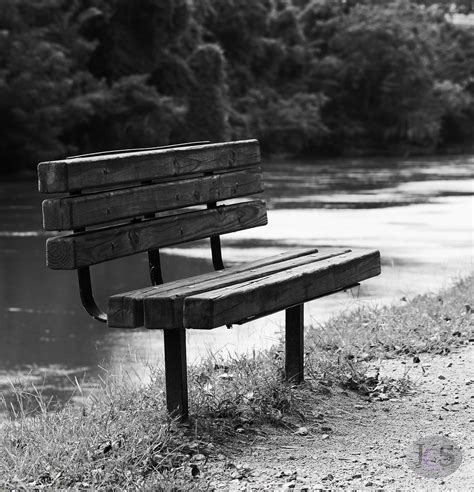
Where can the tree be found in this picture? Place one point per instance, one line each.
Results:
(42, 75)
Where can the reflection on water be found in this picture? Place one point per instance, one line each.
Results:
(418, 212)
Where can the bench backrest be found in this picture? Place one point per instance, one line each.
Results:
(119, 204)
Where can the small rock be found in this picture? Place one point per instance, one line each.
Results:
(449, 364)
(357, 475)
(325, 436)
(289, 486)
(302, 431)
(369, 484)
(326, 429)
(199, 457)
(416, 360)
(240, 430)
(329, 476)
(441, 377)
(359, 407)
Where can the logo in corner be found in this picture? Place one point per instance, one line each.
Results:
(434, 456)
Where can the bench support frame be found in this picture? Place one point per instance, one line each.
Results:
(176, 367)
(294, 344)
(176, 373)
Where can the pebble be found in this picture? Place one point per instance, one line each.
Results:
(302, 431)
(441, 377)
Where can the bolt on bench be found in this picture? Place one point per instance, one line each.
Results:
(126, 202)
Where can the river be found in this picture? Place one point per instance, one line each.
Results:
(418, 212)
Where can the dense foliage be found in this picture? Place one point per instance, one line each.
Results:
(328, 76)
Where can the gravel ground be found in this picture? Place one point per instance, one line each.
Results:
(347, 441)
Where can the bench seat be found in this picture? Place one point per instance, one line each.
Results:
(243, 292)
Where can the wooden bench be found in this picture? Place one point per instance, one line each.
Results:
(127, 202)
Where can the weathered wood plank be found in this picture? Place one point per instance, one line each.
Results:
(110, 170)
(276, 292)
(74, 212)
(165, 310)
(126, 310)
(88, 248)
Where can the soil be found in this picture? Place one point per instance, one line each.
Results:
(355, 442)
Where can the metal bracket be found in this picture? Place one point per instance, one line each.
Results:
(154, 264)
(87, 298)
(216, 250)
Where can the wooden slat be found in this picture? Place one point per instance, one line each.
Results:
(88, 248)
(279, 291)
(74, 212)
(110, 170)
(165, 310)
(126, 310)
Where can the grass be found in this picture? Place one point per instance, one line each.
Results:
(123, 438)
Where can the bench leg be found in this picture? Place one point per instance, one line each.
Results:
(176, 373)
(294, 344)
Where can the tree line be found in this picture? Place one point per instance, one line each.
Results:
(303, 76)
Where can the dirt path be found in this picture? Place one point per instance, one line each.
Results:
(354, 443)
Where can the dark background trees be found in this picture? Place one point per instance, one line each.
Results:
(303, 76)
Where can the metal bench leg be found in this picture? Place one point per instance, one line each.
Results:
(176, 373)
(294, 344)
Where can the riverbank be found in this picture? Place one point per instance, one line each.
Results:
(241, 409)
